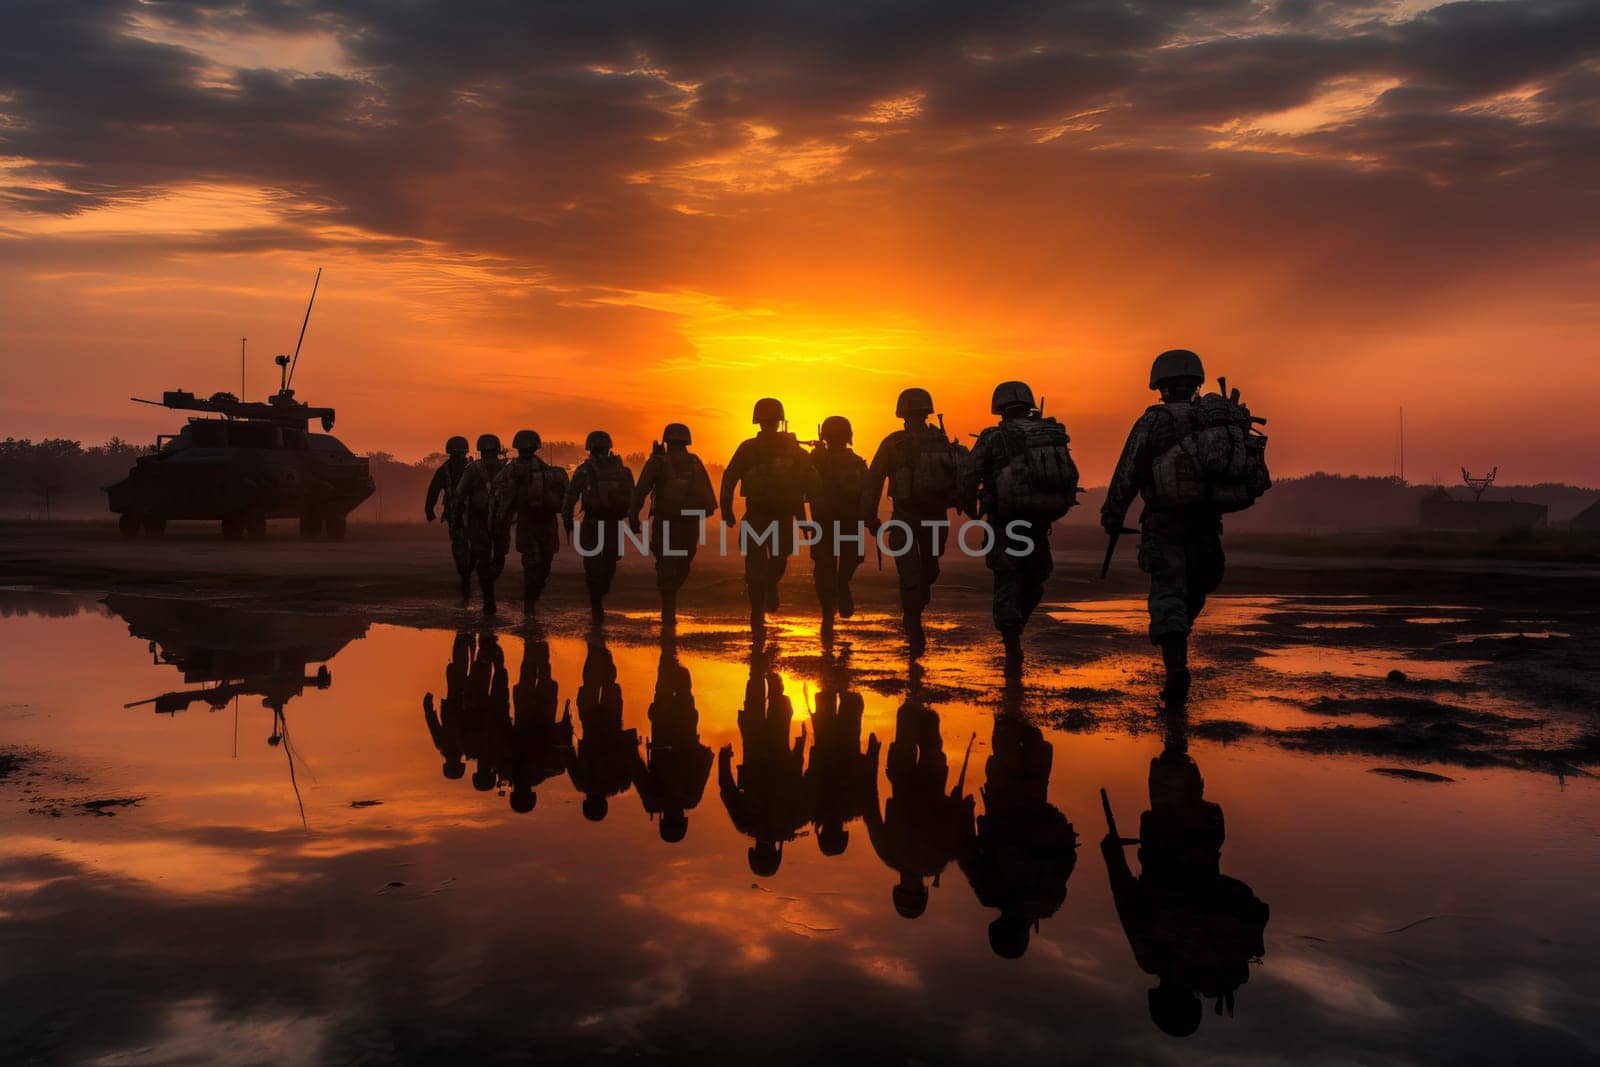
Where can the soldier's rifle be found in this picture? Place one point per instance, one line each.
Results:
(1111, 821)
(1111, 548)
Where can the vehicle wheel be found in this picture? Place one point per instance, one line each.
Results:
(128, 523)
(255, 526)
(154, 526)
(335, 526)
(233, 527)
(310, 526)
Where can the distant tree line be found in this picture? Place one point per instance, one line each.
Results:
(58, 478)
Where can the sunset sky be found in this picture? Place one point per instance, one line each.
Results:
(593, 214)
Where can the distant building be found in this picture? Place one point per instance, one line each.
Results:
(1441, 511)
(1588, 519)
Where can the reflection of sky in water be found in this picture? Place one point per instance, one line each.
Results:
(1407, 920)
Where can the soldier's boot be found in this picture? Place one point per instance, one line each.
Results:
(847, 603)
(1175, 656)
(916, 639)
(1012, 639)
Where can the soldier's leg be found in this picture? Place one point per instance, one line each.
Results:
(755, 567)
(1205, 565)
(934, 541)
(849, 555)
(484, 561)
(778, 561)
(461, 553)
(1165, 559)
(1039, 564)
(825, 574)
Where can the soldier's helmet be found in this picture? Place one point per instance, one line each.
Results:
(595, 807)
(1176, 363)
(523, 799)
(836, 430)
(456, 446)
(833, 840)
(454, 768)
(526, 441)
(767, 409)
(910, 901)
(913, 401)
(675, 433)
(1008, 393)
(597, 439)
(765, 857)
(1175, 1010)
(1008, 936)
(488, 442)
(674, 824)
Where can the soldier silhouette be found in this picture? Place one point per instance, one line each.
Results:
(445, 720)
(766, 796)
(604, 486)
(529, 492)
(776, 478)
(681, 498)
(921, 827)
(1193, 928)
(605, 761)
(925, 473)
(539, 741)
(471, 515)
(836, 508)
(841, 779)
(442, 489)
(677, 764)
(1022, 849)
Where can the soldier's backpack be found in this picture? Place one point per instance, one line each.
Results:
(610, 490)
(776, 483)
(843, 476)
(682, 485)
(933, 470)
(1219, 461)
(547, 489)
(1038, 479)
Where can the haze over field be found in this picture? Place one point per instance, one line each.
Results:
(615, 214)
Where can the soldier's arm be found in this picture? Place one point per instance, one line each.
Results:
(436, 487)
(458, 499)
(575, 484)
(730, 481)
(872, 489)
(644, 486)
(1128, 477)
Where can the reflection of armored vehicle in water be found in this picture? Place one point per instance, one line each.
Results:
(252, 462)
(228, 653)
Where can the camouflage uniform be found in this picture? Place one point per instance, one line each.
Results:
(538, 533)
(472, 514)
(840, 473)
(1179, 548)
(594, 530)
(766, 797)
(443, 485)
(605, 761)
(539, 740)
(754, 460)
(663, 478)
(918, 566)
(678, 763)
(1019, 579)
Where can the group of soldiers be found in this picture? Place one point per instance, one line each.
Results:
(1190, 926)
(1018, 478)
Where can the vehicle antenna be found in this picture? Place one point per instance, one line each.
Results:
(296, 360)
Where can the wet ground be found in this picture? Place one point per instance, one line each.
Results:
(235, 831)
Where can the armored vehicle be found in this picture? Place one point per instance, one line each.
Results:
(243, 463)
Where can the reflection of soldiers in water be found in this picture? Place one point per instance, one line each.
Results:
(766, 799)
(921, 827)
(537, 742)
(486, 712)
(841, 780)
(1023, 849)
(605, 761)
(677, 764)
(445, 720)
(1191, 926)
